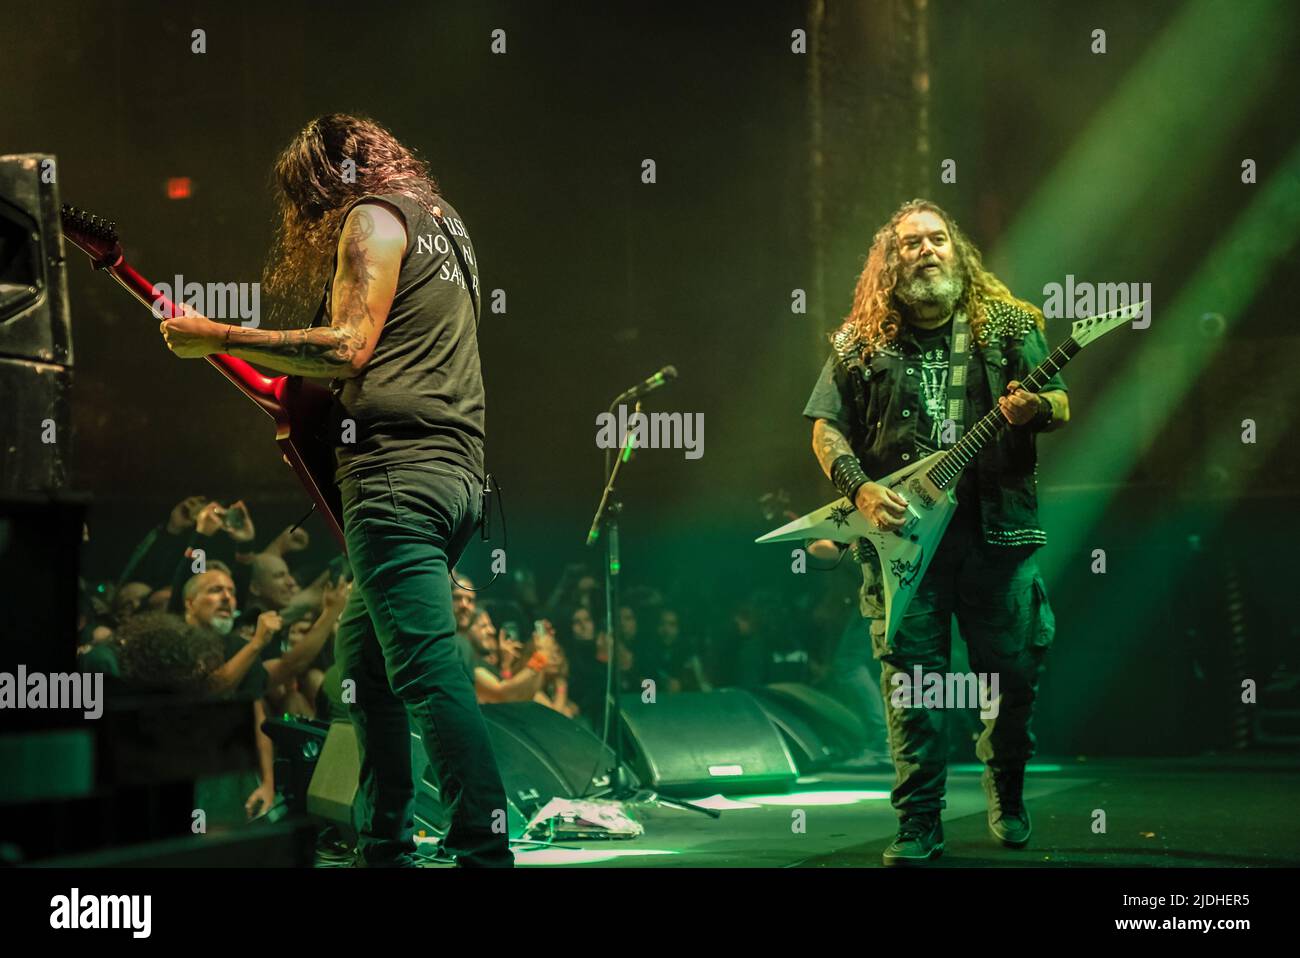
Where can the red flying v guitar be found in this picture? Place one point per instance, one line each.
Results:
(300, 408)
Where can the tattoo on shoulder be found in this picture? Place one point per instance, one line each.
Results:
(324, 350)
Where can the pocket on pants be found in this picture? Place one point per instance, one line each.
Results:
(1044, 622)
(871, 595)
(879, 647)
(429, 500)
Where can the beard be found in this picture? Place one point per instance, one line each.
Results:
(942, 291)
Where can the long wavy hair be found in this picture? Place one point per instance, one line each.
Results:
(876, 317)
(159, 651)
(334, 160)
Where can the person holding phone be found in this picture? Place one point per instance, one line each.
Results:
(493, 684)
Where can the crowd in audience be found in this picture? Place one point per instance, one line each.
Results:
(205, 607)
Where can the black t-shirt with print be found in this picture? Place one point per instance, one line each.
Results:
(934, 386)
(420, 398)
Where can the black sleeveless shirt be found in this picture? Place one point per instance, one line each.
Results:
(420, 398)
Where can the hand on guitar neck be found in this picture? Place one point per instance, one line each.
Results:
(369, 260)
(192, 335)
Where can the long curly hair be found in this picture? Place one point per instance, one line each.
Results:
(160, 651)
(333, 160)
(876, 318)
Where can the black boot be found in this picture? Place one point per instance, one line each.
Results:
(1008, 817)
(920, 839)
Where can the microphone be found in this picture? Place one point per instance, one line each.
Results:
(659, 379)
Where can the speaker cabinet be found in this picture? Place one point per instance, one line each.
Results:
(35, 333)
(334, 784)
(540, 754)
(819, 729)
(701, 743)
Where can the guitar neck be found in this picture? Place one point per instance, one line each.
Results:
(948, 469)
(246, 379)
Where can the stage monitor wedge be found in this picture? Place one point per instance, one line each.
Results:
(696, 744)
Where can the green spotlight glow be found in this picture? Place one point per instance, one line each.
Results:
(801, 799)
(1228, 280)
(584, 856)
(722, 803)
(1122, 161)
(978, 768)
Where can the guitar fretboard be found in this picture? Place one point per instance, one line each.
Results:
(946, 471)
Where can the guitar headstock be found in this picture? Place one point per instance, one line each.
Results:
(1084, 331)
(93, 235)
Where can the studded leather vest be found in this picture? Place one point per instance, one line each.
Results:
(885, 386)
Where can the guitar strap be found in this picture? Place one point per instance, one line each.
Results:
(958, 361)
(871, 598)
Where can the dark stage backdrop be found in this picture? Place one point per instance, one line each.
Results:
(773, 169)
(606, 279)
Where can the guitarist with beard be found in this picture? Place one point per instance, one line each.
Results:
(397, 333)
(883, 400)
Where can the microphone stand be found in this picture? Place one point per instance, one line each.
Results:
(621, 787)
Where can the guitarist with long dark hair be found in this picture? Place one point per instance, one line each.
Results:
(397, 333)
(885, 399)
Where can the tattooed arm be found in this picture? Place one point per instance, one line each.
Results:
(883, 507)
(828, 444)
(371, 245)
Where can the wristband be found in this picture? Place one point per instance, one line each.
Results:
(538, 662)
(848, 477)
(1045, 416)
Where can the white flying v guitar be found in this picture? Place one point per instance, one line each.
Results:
(929, 487)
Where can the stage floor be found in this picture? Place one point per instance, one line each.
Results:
(1220, 811)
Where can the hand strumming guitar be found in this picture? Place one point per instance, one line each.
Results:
(884, 508)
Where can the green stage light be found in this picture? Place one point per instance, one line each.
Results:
(978, 769)
(819, 798)
(1227, 282)
(1123, 164)
(584, 856)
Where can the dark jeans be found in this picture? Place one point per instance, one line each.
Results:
(405, 526)
(998, 596)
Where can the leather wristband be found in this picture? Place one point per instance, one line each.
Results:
(1045, 416)
(848, 476)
